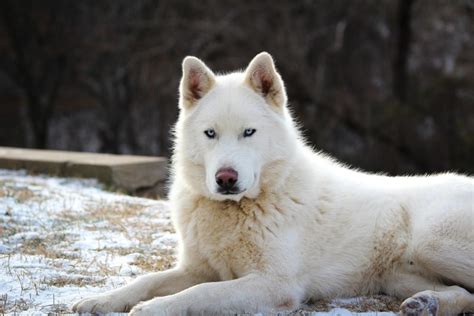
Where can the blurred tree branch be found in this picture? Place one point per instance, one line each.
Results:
(36, 64)
(404, 37)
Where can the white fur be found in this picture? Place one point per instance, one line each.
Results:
(303, 226)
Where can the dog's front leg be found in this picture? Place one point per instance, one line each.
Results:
(250, 294)
(143, 288)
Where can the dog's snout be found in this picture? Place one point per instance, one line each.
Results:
(226, 179)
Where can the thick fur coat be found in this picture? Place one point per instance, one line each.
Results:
(266, 223)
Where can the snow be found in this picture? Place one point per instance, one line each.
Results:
(62, 239)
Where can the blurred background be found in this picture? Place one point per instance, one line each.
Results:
(384, 85)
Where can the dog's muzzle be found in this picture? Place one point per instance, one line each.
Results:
(226, 179)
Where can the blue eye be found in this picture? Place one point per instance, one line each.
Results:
(210, 133)
(249, 132)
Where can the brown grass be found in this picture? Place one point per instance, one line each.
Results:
(21, 195)
(80, 281)
(115, 213)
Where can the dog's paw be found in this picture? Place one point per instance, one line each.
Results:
(421, 304)
(159, 306)
(143, 309)
(100, 304)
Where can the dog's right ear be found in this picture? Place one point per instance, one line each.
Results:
(197, 80)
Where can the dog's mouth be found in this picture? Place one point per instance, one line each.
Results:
(229, 191)
(234, 194)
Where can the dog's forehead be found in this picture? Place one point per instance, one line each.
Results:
(230, 104)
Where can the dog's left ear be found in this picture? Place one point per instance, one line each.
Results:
(263, 78)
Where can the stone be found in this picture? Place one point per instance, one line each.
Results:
(122, 172)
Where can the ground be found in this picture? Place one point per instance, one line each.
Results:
(62, 239)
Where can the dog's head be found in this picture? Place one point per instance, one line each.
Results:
(234, 132)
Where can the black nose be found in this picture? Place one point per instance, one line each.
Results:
(226, 179)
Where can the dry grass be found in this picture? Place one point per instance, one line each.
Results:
(80, 281)
(114, 213)
(45, 248)
(20, 194)
(17, 305)
(47, 241)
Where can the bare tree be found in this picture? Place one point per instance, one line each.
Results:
(113, 63)
(404, 38)
(37, 58)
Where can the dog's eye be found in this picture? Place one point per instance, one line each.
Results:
(210, 133)
(249, 132)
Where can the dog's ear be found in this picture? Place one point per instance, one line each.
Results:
(263, 78)
(197, 80)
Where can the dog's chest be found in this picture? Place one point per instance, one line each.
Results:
(228, 239)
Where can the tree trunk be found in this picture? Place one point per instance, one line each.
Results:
(400, 77)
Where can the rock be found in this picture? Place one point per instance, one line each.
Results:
(123, 172)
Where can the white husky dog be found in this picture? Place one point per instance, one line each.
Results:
(266, 223)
